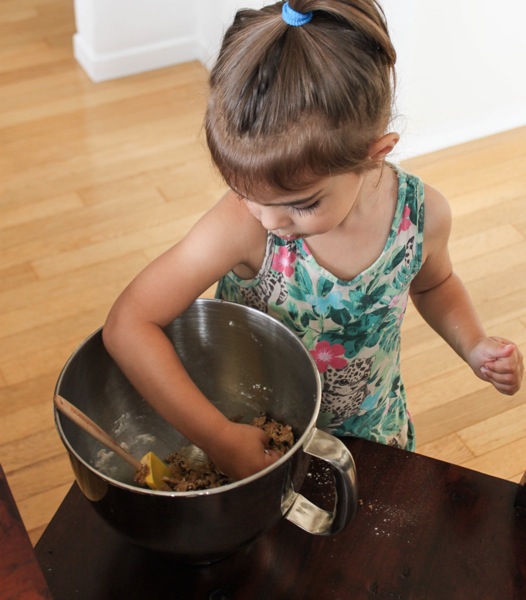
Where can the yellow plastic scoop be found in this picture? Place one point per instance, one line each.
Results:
(151, 467)
(156, 470)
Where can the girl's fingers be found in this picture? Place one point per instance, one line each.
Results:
(504, 380)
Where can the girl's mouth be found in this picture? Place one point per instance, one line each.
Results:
(289, 238)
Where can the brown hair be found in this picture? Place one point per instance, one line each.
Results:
(289, 105)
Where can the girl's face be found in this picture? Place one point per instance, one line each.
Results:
(316, 210)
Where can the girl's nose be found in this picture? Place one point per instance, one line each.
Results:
(274, 217)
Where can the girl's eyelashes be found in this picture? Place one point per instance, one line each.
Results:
(305, 210)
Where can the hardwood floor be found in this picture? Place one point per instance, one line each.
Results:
(98, 179)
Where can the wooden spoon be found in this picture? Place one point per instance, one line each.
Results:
(150, 464)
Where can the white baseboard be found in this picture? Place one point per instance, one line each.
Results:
(418, 142)
(134, 60)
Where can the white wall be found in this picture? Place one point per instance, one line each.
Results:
(116, 38)
(460, 62)
(460, 70)
(122, 37)
(213, 18)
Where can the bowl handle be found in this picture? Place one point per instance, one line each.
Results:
(306, 515)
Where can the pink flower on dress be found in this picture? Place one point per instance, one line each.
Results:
(327, 356)
(405, 223)
(283, 261)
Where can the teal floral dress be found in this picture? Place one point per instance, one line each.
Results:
(351, 328)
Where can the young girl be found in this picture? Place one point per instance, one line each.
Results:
(316, 229)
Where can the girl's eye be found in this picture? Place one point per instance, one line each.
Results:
(306, 210)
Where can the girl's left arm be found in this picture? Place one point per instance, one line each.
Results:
(441, 298)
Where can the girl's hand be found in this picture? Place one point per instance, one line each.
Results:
(498, 361)
(241, 450)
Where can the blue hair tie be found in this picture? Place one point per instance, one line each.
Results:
(293, 17)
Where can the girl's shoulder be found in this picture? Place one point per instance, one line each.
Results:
(234, 207)
(437, 213)
(436, 219)
(236, 217)
(436, 206)
(230, 222)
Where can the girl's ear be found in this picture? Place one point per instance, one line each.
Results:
(380, 148)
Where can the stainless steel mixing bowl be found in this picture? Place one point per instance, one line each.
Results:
(246, 363)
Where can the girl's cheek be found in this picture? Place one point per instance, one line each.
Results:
(253, 209)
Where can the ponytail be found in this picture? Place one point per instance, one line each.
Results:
(291, 104)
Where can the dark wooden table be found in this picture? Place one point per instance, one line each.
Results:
(20, 573)
(424, 530)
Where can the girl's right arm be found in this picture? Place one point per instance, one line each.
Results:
(226, 237)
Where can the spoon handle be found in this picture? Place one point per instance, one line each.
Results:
(83, 421)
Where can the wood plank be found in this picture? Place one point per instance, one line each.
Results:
(43, 453)
(24, 422)
(59, 297)
(455, 415)
(49, 207)
(449, 448)
(494, 433)
(504, 462)
(27, 393)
